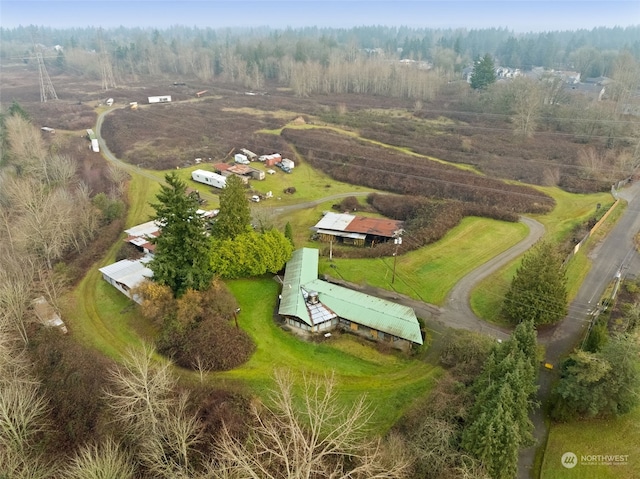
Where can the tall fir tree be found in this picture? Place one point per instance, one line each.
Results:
(181, 257)
(538, 291)
(234, 217)
(484, 73)
(498, 424)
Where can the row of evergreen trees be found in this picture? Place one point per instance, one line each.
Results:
(498, 424)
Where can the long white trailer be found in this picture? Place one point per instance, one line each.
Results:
(209, 178)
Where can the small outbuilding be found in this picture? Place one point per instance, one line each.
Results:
(126, 274)
(160, 99)
(356, 230)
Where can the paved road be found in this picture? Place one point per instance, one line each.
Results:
(615, 253)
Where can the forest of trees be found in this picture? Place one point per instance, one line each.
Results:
(350, 60)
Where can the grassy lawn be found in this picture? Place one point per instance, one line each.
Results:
(620, 436)
(430, 272)
(570, 210)
(310, 185)
(103, 318)
(390, 381)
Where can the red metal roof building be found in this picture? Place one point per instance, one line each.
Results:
(357, 230)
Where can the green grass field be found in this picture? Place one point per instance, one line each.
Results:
(619, 436)
(570, 210)
(430, 272)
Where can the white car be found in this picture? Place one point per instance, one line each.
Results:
(255, 199)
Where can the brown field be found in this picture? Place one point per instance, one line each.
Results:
(169, 135)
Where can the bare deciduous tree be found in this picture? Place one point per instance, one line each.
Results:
(60, 169)
(27, 150)
(104, 461)
(23, 412)
(144, 401)
(45, 221)
(118, 177)
(16, 292)
(527, 101)
(318, 439)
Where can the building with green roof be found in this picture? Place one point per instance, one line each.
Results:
(314, 305)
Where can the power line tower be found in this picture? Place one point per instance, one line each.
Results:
(106, 70)
(47, 92)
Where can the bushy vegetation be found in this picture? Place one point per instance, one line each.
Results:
(600, 384)
(197, 330)
(250, 254)
(602, 378)
(356, 162)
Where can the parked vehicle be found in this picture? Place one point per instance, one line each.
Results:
(241, 159)
(288, 163)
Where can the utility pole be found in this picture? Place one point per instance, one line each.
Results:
(397, 241)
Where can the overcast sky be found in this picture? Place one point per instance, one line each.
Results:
(516, 15)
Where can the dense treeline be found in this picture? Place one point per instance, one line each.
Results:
(180, 50)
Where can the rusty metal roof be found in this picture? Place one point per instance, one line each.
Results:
(374, 226)
(359, 224)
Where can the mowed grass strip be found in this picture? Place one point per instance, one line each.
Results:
(618, 436)
(429, 273)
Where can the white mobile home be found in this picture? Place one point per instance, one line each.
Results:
(160, 99)
(126, 274)
(94, 141)
(209, 178)
(287, 163)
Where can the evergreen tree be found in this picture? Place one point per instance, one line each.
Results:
(494, 437)
(288, 233)
(234, 217)
(498, 424)
(606, 383)
(181, 257)
(538, 291)
(484, 73)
